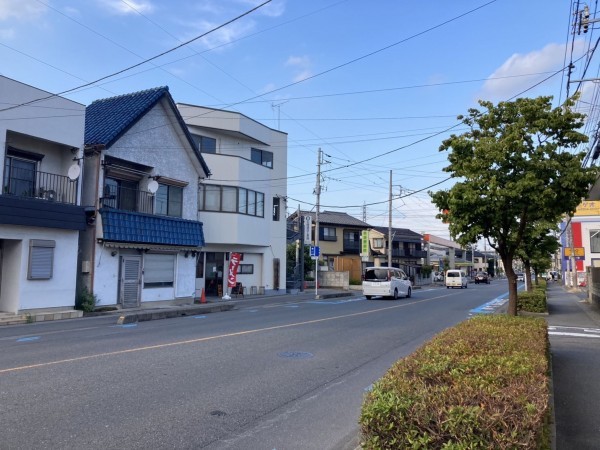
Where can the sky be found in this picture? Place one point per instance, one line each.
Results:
(374, 84)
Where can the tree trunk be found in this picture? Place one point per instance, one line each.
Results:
(512, 286)
(528, 284)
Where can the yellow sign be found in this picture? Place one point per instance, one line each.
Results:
(579, 251)
(588, 208)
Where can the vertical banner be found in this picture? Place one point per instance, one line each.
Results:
(234, 262)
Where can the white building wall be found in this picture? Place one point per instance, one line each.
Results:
(261, 239)
(23, 294)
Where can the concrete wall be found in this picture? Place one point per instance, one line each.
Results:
(329, 279)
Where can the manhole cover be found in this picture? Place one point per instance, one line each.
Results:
(295, 355)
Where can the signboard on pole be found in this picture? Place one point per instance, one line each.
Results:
(234, 262)
(364, 243)
(314, 252)
(307, 229)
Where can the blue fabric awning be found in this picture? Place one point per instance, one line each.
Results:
(127, 226)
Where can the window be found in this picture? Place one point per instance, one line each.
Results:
(595, 241)
(276, 205)
(159, 270)
(41, 259)
(378, 243)
(205, 144)
(19, 177)
(169, 200)
(121, 194)
(327, 234)
(223, 198)
(262, 157)
(245, 269)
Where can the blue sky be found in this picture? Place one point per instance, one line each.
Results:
(362, 80)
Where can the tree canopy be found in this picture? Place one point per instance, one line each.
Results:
(517, 165)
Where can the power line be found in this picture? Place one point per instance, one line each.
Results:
(144, 61)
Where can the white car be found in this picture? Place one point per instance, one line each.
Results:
(386, 282)
(456, 278)
(520, 277)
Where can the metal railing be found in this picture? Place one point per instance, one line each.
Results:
(41, 185)
(127, 199)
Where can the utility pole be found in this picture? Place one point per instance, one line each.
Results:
(318, 193)
(390, 226)
(301, 228)
(364, 215)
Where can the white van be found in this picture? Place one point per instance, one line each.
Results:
(456, 278)
(386, 282)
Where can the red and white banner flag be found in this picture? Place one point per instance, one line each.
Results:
(234, 262)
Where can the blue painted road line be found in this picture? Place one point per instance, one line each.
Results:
(28, 339)
(127, 325)
(252, 310)
(491, 306)
(291, 306)
(198, 317)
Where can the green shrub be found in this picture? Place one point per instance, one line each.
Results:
(534, 301)
(86, 301)
(355, 282)
(482, 384)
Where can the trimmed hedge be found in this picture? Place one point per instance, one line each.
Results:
(534, 301)
(480, 385)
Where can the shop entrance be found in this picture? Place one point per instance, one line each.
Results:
(213, 274)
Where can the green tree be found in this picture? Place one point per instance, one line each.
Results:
(537, 249)
(515, 167)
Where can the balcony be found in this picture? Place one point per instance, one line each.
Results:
(127, 199)
(352, 247)
(20, 182)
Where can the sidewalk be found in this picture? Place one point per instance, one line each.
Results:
(574, 331)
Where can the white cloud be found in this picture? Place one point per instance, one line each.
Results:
(220, 37)
(21, 9)
(127, 6)
(302, 65)
(7, 34)
(274, 9)
(550, 58)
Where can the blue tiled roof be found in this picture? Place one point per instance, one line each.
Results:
(108, 119)
(126, 226)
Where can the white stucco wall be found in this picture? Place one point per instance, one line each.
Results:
(59, 291)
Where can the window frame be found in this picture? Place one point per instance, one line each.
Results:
(245, 269)
(171, 189)
(594, 241)
(39, 248)
(262, 157)
(168, 281)
(248, 202)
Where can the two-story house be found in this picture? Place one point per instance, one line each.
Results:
(407, 248)
(41, 138)
(339, 240)
(142, 172)
(243, 204)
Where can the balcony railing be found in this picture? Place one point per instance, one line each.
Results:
(127, 199)
(41, 185)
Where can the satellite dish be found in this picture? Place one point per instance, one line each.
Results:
(74, 172)
(152, 186)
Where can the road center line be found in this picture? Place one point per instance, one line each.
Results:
(210, 338)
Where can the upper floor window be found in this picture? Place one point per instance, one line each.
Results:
(378, 243)
(327, 234)
(276, 206)
(213, 197)
(205, 144)
(19, 177)
(595, 241)
(169, 200)
(121, 194)
(262, 157)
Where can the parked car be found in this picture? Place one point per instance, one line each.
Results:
(386, 282)
(456, 278)
(482, 277)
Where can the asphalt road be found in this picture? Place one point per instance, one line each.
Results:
(284, 374)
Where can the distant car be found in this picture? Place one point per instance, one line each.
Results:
(456, 278)
(482, 277)
(387, 282)
(520, 277)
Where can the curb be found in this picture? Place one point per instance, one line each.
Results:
(143, 316)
